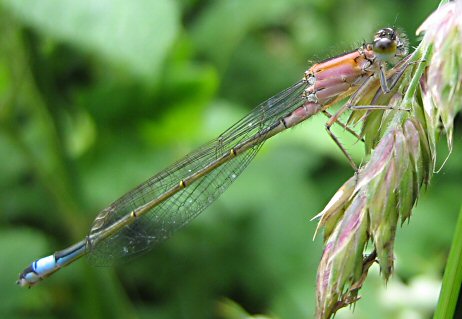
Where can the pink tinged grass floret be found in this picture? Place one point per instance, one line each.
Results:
(442, 90)
(342, 261)
(370, 204)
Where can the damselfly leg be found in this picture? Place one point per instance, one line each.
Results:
(345, 126)
(351, 105)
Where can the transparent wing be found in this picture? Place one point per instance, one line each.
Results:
(186, 204)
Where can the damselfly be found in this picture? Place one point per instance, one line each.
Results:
(169, 200)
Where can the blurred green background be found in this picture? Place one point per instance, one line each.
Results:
(97, 96)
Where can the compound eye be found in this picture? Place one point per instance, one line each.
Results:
(385, 46)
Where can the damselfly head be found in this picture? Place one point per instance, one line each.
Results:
(389, 43)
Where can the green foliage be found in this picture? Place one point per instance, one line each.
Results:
(133, 35)
(452, 281)
(95, 97)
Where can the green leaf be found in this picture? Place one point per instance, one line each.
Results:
(133, 35)
(452, 277)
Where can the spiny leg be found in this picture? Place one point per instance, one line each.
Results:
(387, 84)
(345, 126)
(329, 124)
(347, 107)
(383, 79)
(375, 107)
(356, 97)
